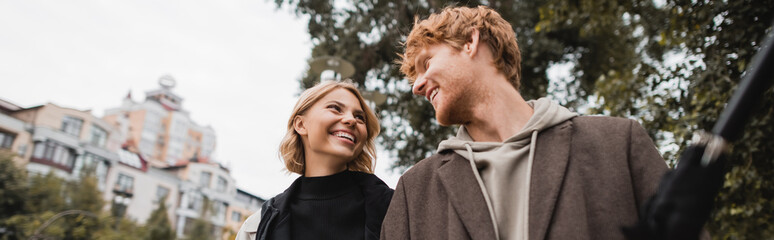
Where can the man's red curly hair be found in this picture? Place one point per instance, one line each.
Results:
(453, 26)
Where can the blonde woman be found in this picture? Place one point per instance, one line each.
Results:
(330, 142)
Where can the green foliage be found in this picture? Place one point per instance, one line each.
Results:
(202, 229)
(13, 186)
(368, 34)
(45, 198)
(158, 226)
(46, 193)
(670, 64)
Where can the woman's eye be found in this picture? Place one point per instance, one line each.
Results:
(427, 64)
(360, 117)
(334, 107)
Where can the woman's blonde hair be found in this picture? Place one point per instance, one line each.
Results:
(292, 148)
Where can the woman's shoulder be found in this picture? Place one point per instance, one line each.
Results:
(368, 179)
(373, 187)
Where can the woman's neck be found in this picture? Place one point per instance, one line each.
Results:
(319, 169)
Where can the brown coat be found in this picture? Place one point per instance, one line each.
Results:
(589, 177)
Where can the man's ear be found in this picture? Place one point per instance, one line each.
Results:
(298, 124)
(471, 47)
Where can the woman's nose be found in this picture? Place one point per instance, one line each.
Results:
(348, 120)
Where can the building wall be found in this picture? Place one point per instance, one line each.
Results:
(195, 188)
(164, 136)
(45, 125)
(22, 140)
(144, 192)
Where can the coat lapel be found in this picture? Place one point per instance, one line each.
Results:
(466, 197)
(552, 152)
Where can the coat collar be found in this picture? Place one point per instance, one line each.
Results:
(552, 152)
(465, 195)
(548, 168)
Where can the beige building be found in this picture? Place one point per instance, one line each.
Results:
(142, 153)
(202, 181)
(137, 189)
(65, 141)
(161, 128)
(244, 205)
(14, 136)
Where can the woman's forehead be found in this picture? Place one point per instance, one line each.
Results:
(343, 97)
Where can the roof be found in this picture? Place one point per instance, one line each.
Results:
(7, 106)
(240, 191)
(132, 160)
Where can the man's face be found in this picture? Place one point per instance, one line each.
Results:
(445, 77)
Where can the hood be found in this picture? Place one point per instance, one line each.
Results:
(546, 114)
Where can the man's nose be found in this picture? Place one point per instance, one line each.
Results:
(419, 86)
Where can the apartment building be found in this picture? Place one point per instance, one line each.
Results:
(65, 141)
(144, 154)
(163, 130)
(14, 136)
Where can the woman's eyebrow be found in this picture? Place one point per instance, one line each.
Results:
(335, 102)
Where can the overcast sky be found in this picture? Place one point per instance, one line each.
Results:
(236, 63)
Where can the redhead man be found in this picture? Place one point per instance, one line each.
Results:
(516, 169)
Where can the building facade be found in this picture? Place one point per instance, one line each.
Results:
(66, 141)
(143, 154)
(14, 136)
(162, 129)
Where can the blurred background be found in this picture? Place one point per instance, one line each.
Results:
(162, 119)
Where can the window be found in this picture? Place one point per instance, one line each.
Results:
(125, 184)
(204, 179)
(98, 136)
(222, 184)
(219, 208)
(236, 216)
(161, 193)
(242, 197)
(194, 201)
(56, 153)
(6, 140)
(98, 165)
(72, 125)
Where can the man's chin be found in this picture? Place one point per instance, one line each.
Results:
(446, 119)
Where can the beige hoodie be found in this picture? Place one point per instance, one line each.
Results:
(503, 168)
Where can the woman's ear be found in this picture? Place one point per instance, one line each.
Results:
(471, 47)
(298, 124)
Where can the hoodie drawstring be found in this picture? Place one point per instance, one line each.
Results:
(532, 144)
(483, 189)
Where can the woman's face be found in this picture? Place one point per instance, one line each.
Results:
(334, 128)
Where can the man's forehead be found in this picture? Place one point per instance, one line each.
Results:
(427, 49)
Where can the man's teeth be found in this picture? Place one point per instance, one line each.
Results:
(432, 94)
(345, 135)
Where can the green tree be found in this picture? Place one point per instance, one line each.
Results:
(158, 226)
(45, 198)
(83, 195)
(717, 40)
(46, 193)
(670, 64)
(368, 34)
(28, 204)
(13, 189)
(202, 229)
(726, 35)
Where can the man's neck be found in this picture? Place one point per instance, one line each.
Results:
(502, 114)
